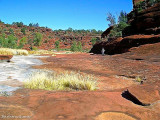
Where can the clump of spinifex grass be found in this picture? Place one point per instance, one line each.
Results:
(66, 81)
(39, 52)
(8, 51)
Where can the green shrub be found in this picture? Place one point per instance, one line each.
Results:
(7, 25)
(11, 31)
(37, 39)
(22, 42)
(19, 24)
(74, 46)
(79, 46)
(50, 37)
(12, 41)
(4, 29)
(94, 40)
(119, 26)
(141, 5)
(23, 30)
(30, 24)
(57, 44)
(3, 41)
(9, 42)
(33, 25)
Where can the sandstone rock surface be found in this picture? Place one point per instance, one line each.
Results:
(5, 57)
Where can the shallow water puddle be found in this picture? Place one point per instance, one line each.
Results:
(6, 90)
(19, 69)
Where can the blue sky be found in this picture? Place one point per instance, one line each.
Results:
(62, 14)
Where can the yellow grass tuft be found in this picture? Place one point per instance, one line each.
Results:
(8, 51)
(39, 52)
(66, 81)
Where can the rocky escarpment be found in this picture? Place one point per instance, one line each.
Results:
(122, 45)
(144, 29)
(144, 22)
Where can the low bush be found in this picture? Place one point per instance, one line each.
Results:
(76, 47)
(38, 39)
(57, 45)
(23, 30)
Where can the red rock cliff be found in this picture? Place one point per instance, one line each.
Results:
(144, 22)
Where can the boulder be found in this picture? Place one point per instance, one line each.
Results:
(5, 57)
(107, 32)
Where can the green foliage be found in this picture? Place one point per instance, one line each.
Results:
(78, 32)
(45, 41)
(11, 31)
(119, 27)
(22, 42)
(36, 25)
(23, 30)
(151, 2)
(7, 25)
(79, 46)
(33, 25)
(94, 40)
(30, 24)
(69, 29)
(50, 37)
(74, 46)
(12, 41)
(37, 39)
(19, 24)
(4, 29)
(57, 44)
(122, 17)
(141, 5)
(5, 94)
(9, 42)
(3, 41)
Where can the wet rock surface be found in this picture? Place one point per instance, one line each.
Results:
(14, 73)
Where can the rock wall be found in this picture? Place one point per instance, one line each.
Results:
(144, 22)
(144, 29)
(135, 2)
(122, 45)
